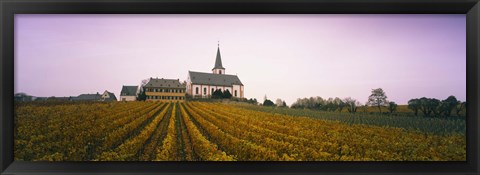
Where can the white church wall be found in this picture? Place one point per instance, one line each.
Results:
(240, 91)
(194, 89)
(218, 71)
(206, 90)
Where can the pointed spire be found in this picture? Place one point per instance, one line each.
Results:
(218, 60)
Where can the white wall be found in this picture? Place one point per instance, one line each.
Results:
(105, 95)
(217, 71)
(208, 92)
(128, 98)
(238, 89)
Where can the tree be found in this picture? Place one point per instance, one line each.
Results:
(339, 103)
(429, 106)
(252, 101)
(460, 107)
(392, 107)
(351, 104)
(268, 102)
(414, 104)
(279, 102)
(227, 94)
(433, 107)
(141, 95)
(218, 94)
(310, 103)
(284, 104)
(378, 98)
(449, 104)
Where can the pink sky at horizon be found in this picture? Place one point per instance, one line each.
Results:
(409, 56)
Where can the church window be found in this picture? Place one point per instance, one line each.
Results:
(204, 91)
(220, 71)
(213, 90)
(235, 93)
(196, 90)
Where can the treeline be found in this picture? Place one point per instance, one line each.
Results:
(427, 107)
(431, 107)
(318, 103)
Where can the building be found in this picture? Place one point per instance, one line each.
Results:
(202, 85)
(128, 93)
(87, 97)
(108, 96)
(164, 90)
(23, 97)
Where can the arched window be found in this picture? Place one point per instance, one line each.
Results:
(235, 93)
(220, 71)
(196, 90)
(204, 91)
(213, 90)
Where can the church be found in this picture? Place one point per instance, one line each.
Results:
(202, 85)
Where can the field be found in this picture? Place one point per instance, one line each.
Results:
(403, 118)
(202, 131)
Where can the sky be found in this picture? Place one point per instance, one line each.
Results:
(280, 56)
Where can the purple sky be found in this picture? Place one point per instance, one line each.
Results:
(281, 56)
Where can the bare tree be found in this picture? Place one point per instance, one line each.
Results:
(352, 104)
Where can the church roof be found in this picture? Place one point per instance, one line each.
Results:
(129, 91)
(218, 60)
(167, 83)
(214, 79)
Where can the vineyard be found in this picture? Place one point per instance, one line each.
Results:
(439, 126)
(201, 131)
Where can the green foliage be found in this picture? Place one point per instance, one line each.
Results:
(431, 107)
(218, 94)
(268, 102)
(227, 94)
(392, 106)
(414, 105)
(448, 105)
(252, 101)
(142, 96)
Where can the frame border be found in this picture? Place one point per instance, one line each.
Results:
(10, 7)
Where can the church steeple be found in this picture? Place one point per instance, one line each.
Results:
(218, 68)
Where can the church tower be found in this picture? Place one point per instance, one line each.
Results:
(218, 68)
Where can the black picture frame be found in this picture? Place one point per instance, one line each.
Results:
(9, 8)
